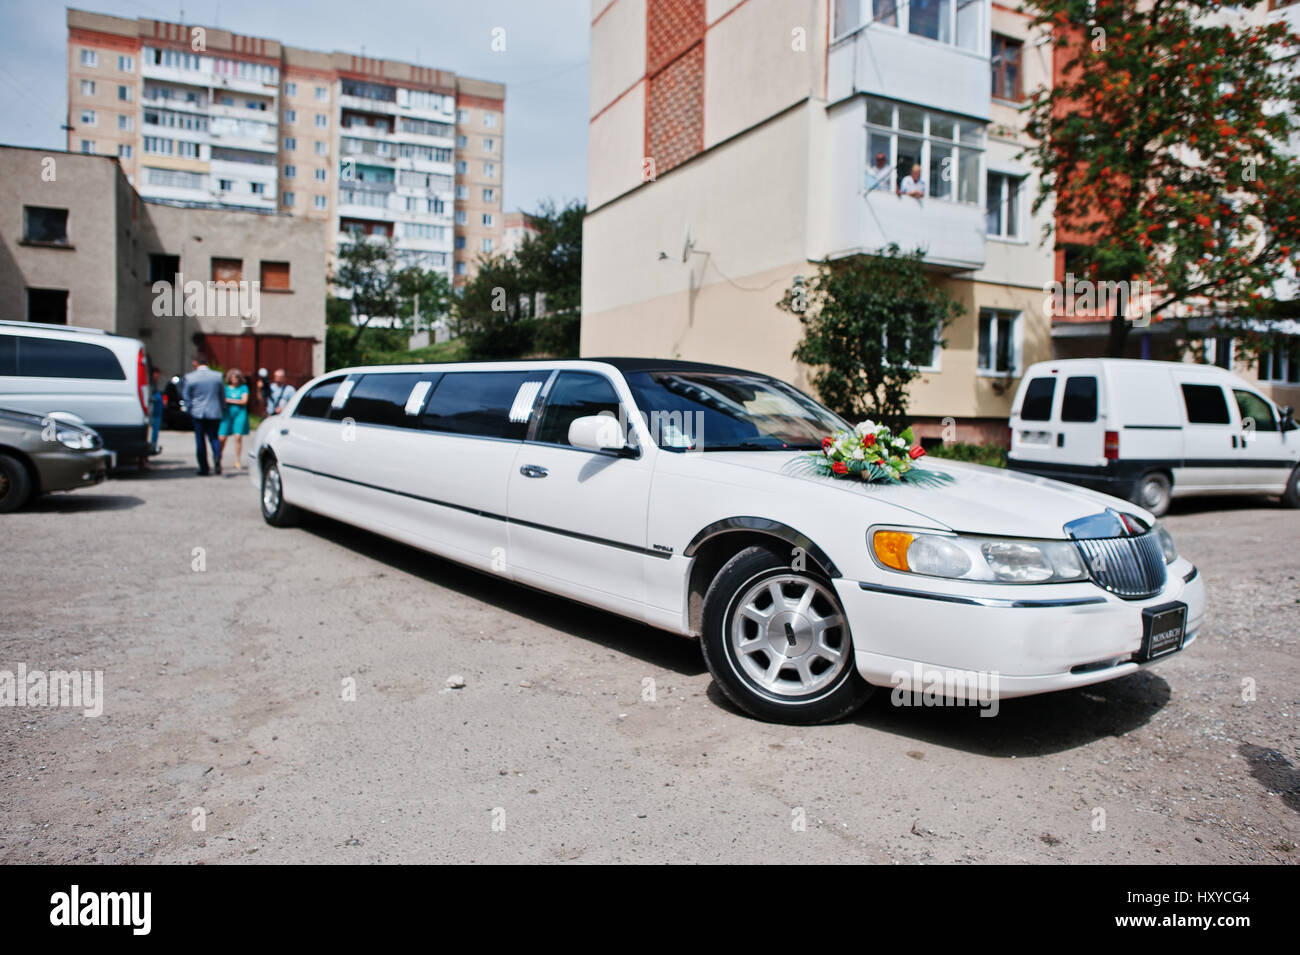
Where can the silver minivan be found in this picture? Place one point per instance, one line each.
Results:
(1151, 431)
(99, 378)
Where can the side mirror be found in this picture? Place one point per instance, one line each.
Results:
(1288, 418)
(597, 433)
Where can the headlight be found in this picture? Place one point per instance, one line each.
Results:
(960, 557)
(1166, 543)
(76, 440)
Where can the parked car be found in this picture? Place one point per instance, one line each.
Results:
(1151, 431)
(176, 416)
(39, 454)
(100, 378)
(671, 493)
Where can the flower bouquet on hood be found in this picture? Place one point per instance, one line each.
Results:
(874, 454)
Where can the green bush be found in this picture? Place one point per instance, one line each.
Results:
(992, 455)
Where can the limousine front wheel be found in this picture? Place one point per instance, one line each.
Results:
(276, 511)
(777, 642)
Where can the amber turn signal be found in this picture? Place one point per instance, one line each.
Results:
(891, 548)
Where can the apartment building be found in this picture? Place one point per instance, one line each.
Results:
(518, 227)
(735, 143)
(80, 246)
(203, 116)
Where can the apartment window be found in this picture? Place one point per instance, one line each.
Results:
(290, 144)
(489, 145)
(490, 169)
(460, 242)
(997, 341)
(321, 120)
(1002, 205)
(1005, 60)
(487, 219)
(462, 192)
(88, 117)
(319, 202)
(43, 224)
(88, 147)
(1280, 361)
(291, 116)
(173, 178)
(954, 22)
(163, 268)
(462, 142)
(462, 116)
(275, 276)
(489, 195)
(290, 172)
(321, 175)
(322, 93)
(126, 123)
(460, 268)
(187, 150)
(461, 217)
(257, 188)
(227, 270)
(47, 305)
(124, 94)
(124, 151)
(287, 199)
(159, 146)
(487, 245)
(87, 87)
(490, 120)
(126, 64)
(225, 100)
(89, 58)
(948, 150)
(226, 185)
(322, 148)
(290, 89)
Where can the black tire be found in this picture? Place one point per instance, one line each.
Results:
(275, 510)
(835, 690)
(1291, 496)
(1153, 491)
(15, 484)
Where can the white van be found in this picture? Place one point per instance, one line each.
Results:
(1150, 431)
(100, 378)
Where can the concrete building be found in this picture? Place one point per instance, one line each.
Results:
(203, 116)
(518, 226)
(79, 246)
(734, 143)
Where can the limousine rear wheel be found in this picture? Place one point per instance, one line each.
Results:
(275, 510)
(777, 641)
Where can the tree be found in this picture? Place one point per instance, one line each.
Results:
(1163, 145)
(500, 310)
(870, 323)
(367, 270)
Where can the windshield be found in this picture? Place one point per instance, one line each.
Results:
(708, 411)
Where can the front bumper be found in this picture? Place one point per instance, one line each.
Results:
(66, 470)
(1036, 639)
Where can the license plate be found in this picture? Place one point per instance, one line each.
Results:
(1035, 437)
(1163, 630)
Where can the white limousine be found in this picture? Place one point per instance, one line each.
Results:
(671, 493)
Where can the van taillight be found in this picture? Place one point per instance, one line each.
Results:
(142, 381)
(1112, 445)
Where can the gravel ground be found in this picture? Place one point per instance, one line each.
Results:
(225, 737)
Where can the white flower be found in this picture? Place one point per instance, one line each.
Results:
(866, 427)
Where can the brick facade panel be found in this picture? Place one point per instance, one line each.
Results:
(675, 112)
(671, 27)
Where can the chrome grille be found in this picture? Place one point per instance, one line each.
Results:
(1129, 567)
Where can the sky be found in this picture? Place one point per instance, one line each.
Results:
(543, 65)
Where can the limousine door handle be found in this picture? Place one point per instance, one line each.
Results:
(284, 430)
(533, 471)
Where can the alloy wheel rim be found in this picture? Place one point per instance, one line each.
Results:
(1153, 494)
(788, 636)
(271, 491)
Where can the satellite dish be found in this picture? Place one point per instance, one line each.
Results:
(688, 244)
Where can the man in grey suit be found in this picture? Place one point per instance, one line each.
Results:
(203, 392)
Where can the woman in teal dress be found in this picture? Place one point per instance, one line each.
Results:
(234, 420)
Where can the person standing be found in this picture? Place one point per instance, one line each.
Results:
(279, 393)
(234, 421)
(201, 391)
(156, 403)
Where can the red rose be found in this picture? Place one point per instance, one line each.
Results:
(916, 452)
(827, 442)
(868, 440)
(839, 467)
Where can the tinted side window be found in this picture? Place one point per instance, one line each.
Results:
(316, 403)
(1037, 405)
(1205, 404)
(8, 355)
(381, 399)
(575, 394)
(1080, 400)
(1255, 409)
(490, 404)
(52, 358)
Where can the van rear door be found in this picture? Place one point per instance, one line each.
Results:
(1057, 419)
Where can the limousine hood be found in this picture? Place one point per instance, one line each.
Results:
(980, 500)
